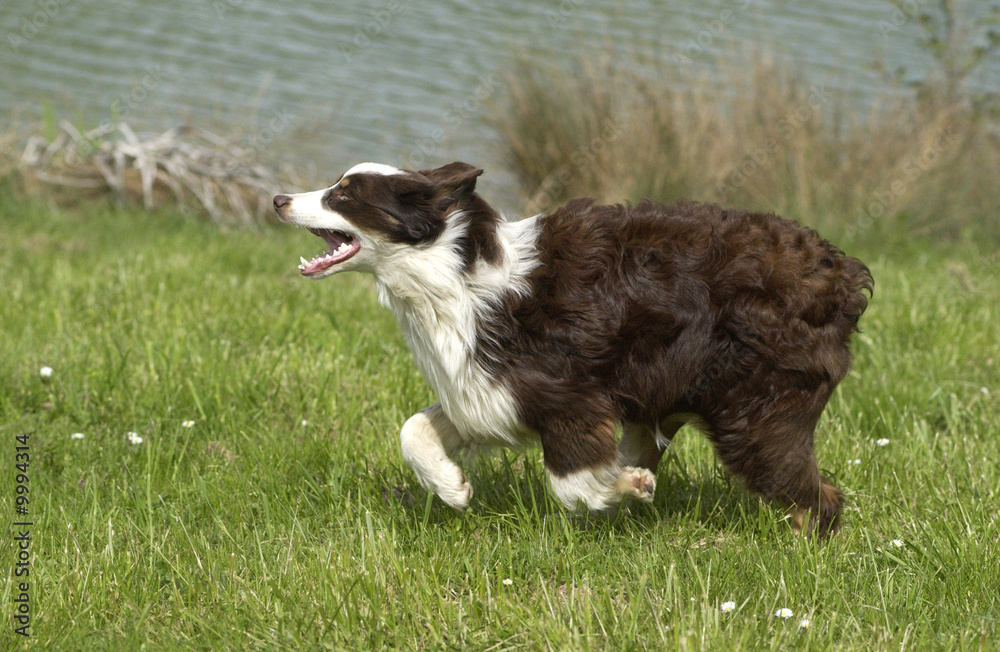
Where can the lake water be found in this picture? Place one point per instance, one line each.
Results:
(407, 82)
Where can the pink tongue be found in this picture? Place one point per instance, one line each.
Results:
(318, 265)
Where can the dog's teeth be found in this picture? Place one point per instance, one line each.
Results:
(304, 261)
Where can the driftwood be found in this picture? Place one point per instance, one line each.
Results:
(195, 168)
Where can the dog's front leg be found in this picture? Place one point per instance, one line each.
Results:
(642, 446)
(427, 439)
(586, 470)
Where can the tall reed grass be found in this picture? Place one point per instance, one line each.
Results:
(767, 139)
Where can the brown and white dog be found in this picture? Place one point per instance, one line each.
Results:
(559, 327)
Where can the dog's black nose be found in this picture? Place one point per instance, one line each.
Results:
(280, 201)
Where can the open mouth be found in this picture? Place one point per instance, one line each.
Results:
(342, 246)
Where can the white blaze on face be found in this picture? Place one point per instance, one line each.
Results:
(373, 168)
(307, 209)
(314, 211)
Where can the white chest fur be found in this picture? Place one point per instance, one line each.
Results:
(438, 306)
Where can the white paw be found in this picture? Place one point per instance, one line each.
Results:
(455, 494)
(636, 482)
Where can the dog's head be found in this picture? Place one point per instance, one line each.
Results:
(374, 210)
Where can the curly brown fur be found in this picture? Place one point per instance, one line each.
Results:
(639, 313)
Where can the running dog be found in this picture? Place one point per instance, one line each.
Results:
(558, 328)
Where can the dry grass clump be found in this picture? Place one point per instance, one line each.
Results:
(187, 167)
(765, 139)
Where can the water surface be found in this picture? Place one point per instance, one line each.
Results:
(405, 82)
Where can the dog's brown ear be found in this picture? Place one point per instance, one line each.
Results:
(455, 180)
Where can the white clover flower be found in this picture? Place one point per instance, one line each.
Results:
(896, 543)
(507, 581)
(305, 423)
(45, 372)
(805, 623)
(134, 438)
(784, 612)
(728, 607)
(76, 435)
(187, 424)
(882, 442)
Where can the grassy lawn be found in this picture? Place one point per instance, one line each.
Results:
(286, 518)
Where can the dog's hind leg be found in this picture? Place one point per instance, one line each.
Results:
(427, 439)
(585, 469)
(773, 452)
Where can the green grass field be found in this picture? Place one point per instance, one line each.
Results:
(285, 517)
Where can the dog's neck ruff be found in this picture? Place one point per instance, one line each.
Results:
(440, 306)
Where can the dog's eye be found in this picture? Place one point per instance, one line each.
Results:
(340, 195)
